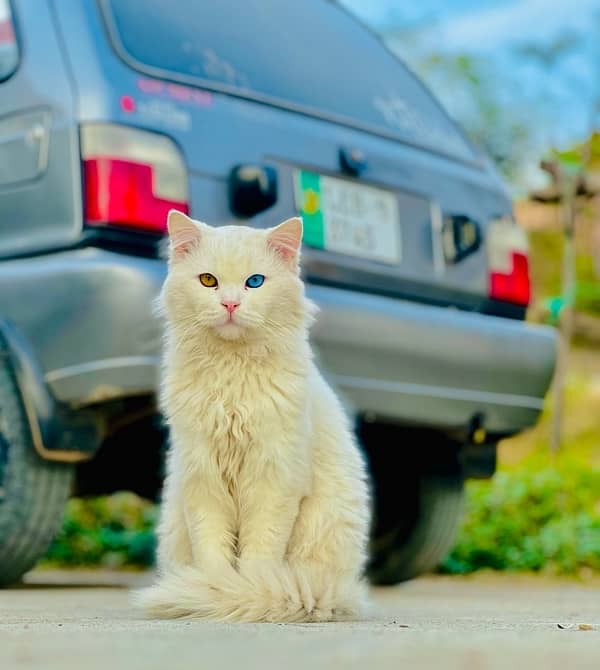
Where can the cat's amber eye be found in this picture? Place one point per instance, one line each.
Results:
(208, 280)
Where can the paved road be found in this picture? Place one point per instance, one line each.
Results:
(64, 621)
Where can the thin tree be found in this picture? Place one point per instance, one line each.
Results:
(569, 173)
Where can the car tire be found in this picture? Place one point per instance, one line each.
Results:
(33, 492)
(418, 494)
(403, 554)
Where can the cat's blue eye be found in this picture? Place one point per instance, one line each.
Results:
(254, 281)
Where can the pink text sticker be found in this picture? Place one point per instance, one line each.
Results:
(177, 92)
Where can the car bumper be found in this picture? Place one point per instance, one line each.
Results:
(431, 365)
(88, 315)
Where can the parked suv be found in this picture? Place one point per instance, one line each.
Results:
(112, 112)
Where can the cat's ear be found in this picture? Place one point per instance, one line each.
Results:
(286, 239)
(184, 233)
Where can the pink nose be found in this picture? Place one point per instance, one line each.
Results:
(230, 306)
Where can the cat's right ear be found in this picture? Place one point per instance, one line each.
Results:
(184, 233)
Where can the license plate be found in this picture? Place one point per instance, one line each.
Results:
(349, 218)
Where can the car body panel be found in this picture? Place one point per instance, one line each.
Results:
(40, 194)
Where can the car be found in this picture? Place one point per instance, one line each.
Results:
(113, 112)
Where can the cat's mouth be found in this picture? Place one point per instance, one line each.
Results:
(234, 325)
(231, 318)
(229, 327)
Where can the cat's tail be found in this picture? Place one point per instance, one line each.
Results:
(276, 593)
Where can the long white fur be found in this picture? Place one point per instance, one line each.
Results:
(265, 510)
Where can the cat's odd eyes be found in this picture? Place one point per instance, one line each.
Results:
(210, 281)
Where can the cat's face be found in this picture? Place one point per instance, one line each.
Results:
(234, 282)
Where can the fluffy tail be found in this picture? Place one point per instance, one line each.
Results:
(275, 593)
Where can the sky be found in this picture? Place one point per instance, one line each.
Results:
(544, 56)
(383, 13)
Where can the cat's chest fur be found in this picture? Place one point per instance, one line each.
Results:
(235, 407)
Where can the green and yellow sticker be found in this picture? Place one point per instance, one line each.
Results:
(308, 185)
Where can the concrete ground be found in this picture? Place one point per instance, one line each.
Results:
(83, 621)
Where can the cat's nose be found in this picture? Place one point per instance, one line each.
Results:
(230, 306)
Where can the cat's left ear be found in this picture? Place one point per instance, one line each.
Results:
(286, 239)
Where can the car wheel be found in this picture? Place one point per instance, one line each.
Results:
(418, 491)
(420, 546)
(33, 492)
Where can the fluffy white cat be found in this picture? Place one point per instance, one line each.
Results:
(265, 513)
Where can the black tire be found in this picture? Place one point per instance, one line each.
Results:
(418, 490)
(399, 555)
(33, 492)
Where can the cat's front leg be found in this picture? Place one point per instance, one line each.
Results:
(210, 521)
(269, 506)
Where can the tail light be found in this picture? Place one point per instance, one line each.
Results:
(132, 177)
(508, 262)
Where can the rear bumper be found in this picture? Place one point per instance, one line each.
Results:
(434, 366)
(88, 316)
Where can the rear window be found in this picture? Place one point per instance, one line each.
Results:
(309, 55)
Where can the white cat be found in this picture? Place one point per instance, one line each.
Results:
(265, 513)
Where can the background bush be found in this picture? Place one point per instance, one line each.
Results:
(111, 531)
(539, 517)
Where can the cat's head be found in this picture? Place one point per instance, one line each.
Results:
(234, 282)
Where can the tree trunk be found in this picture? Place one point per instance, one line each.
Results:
(567, 312)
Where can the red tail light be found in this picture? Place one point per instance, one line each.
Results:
(132, 177)
(508, 263)
(7, 33)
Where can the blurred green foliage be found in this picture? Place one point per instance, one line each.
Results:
(582, 155)
(545, 251)
(539, 517)
(469, 91)
(109, 531)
